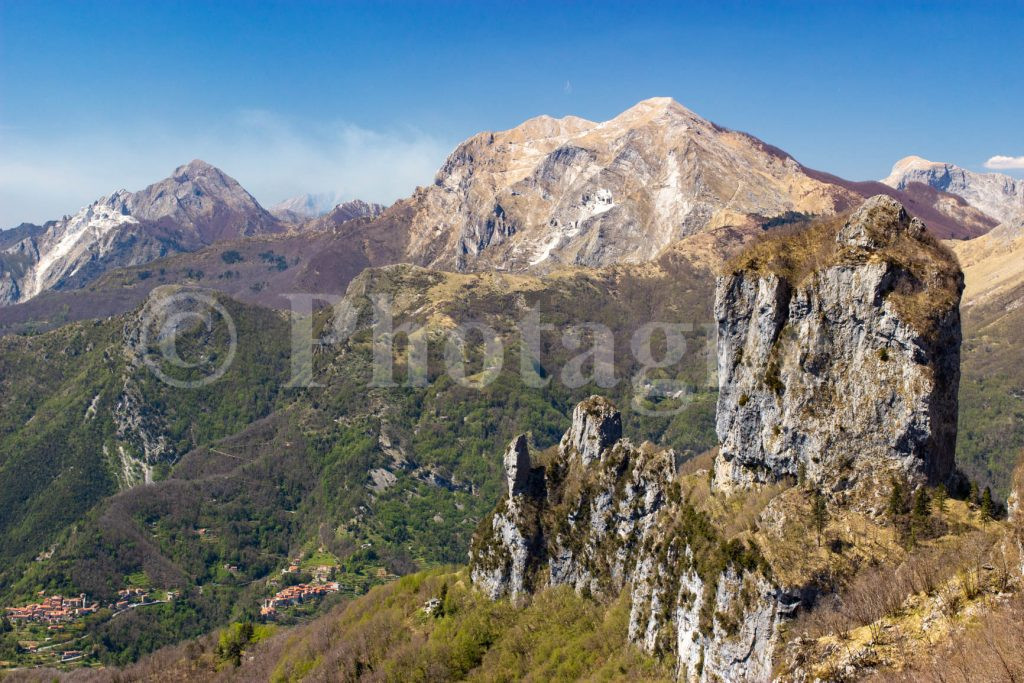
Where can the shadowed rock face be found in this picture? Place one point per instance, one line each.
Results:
(839, 355)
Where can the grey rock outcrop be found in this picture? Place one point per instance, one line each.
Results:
(838, 355)
(602, 515)
(596, 426)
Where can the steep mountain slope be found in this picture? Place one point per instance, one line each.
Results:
(264, 270)
(196, 206)
(83, 415)
(996, 194)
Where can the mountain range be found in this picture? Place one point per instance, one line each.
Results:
(546, 194)
(110, 476)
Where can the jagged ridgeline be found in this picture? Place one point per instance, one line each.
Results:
(838, 365)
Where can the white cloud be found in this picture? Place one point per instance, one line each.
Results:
(46, 176)
(1005, 163)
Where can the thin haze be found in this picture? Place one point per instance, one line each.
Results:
(366, 100)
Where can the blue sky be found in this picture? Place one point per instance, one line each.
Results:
(367, 99)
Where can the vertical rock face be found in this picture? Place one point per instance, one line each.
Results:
(839, 354)
(600, 514)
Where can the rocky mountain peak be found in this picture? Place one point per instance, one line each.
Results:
(654, 108)
(197, 205)
(195, 167)
(202, 198)
(517, 466)
(568, 191)
(596, 426)
(996, 194)
(839, 353)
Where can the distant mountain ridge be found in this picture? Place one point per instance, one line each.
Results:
(311, 206)
(997, 194)
(305, 206)
(547, 194)
(196, 206)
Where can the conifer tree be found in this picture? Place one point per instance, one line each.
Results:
(897, 498)
(987, 506)
(921, 503)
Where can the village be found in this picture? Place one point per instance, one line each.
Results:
(299, 593)
(53, 610)
(57, 609)
(47, 630)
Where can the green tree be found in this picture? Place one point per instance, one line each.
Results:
(443, 598)
(233, 640)
(987, 506)
(897, 498)
(940, 499)
(921, 504)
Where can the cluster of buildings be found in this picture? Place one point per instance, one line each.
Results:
(293, 595)
(130, 597)
(55, 609)
(58, 609)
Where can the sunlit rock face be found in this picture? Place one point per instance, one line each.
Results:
(839, 355)
(602, 515)
(552, 192)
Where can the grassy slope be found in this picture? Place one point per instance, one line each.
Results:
(388, 636)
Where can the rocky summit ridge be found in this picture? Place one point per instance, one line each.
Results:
(553, 192)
